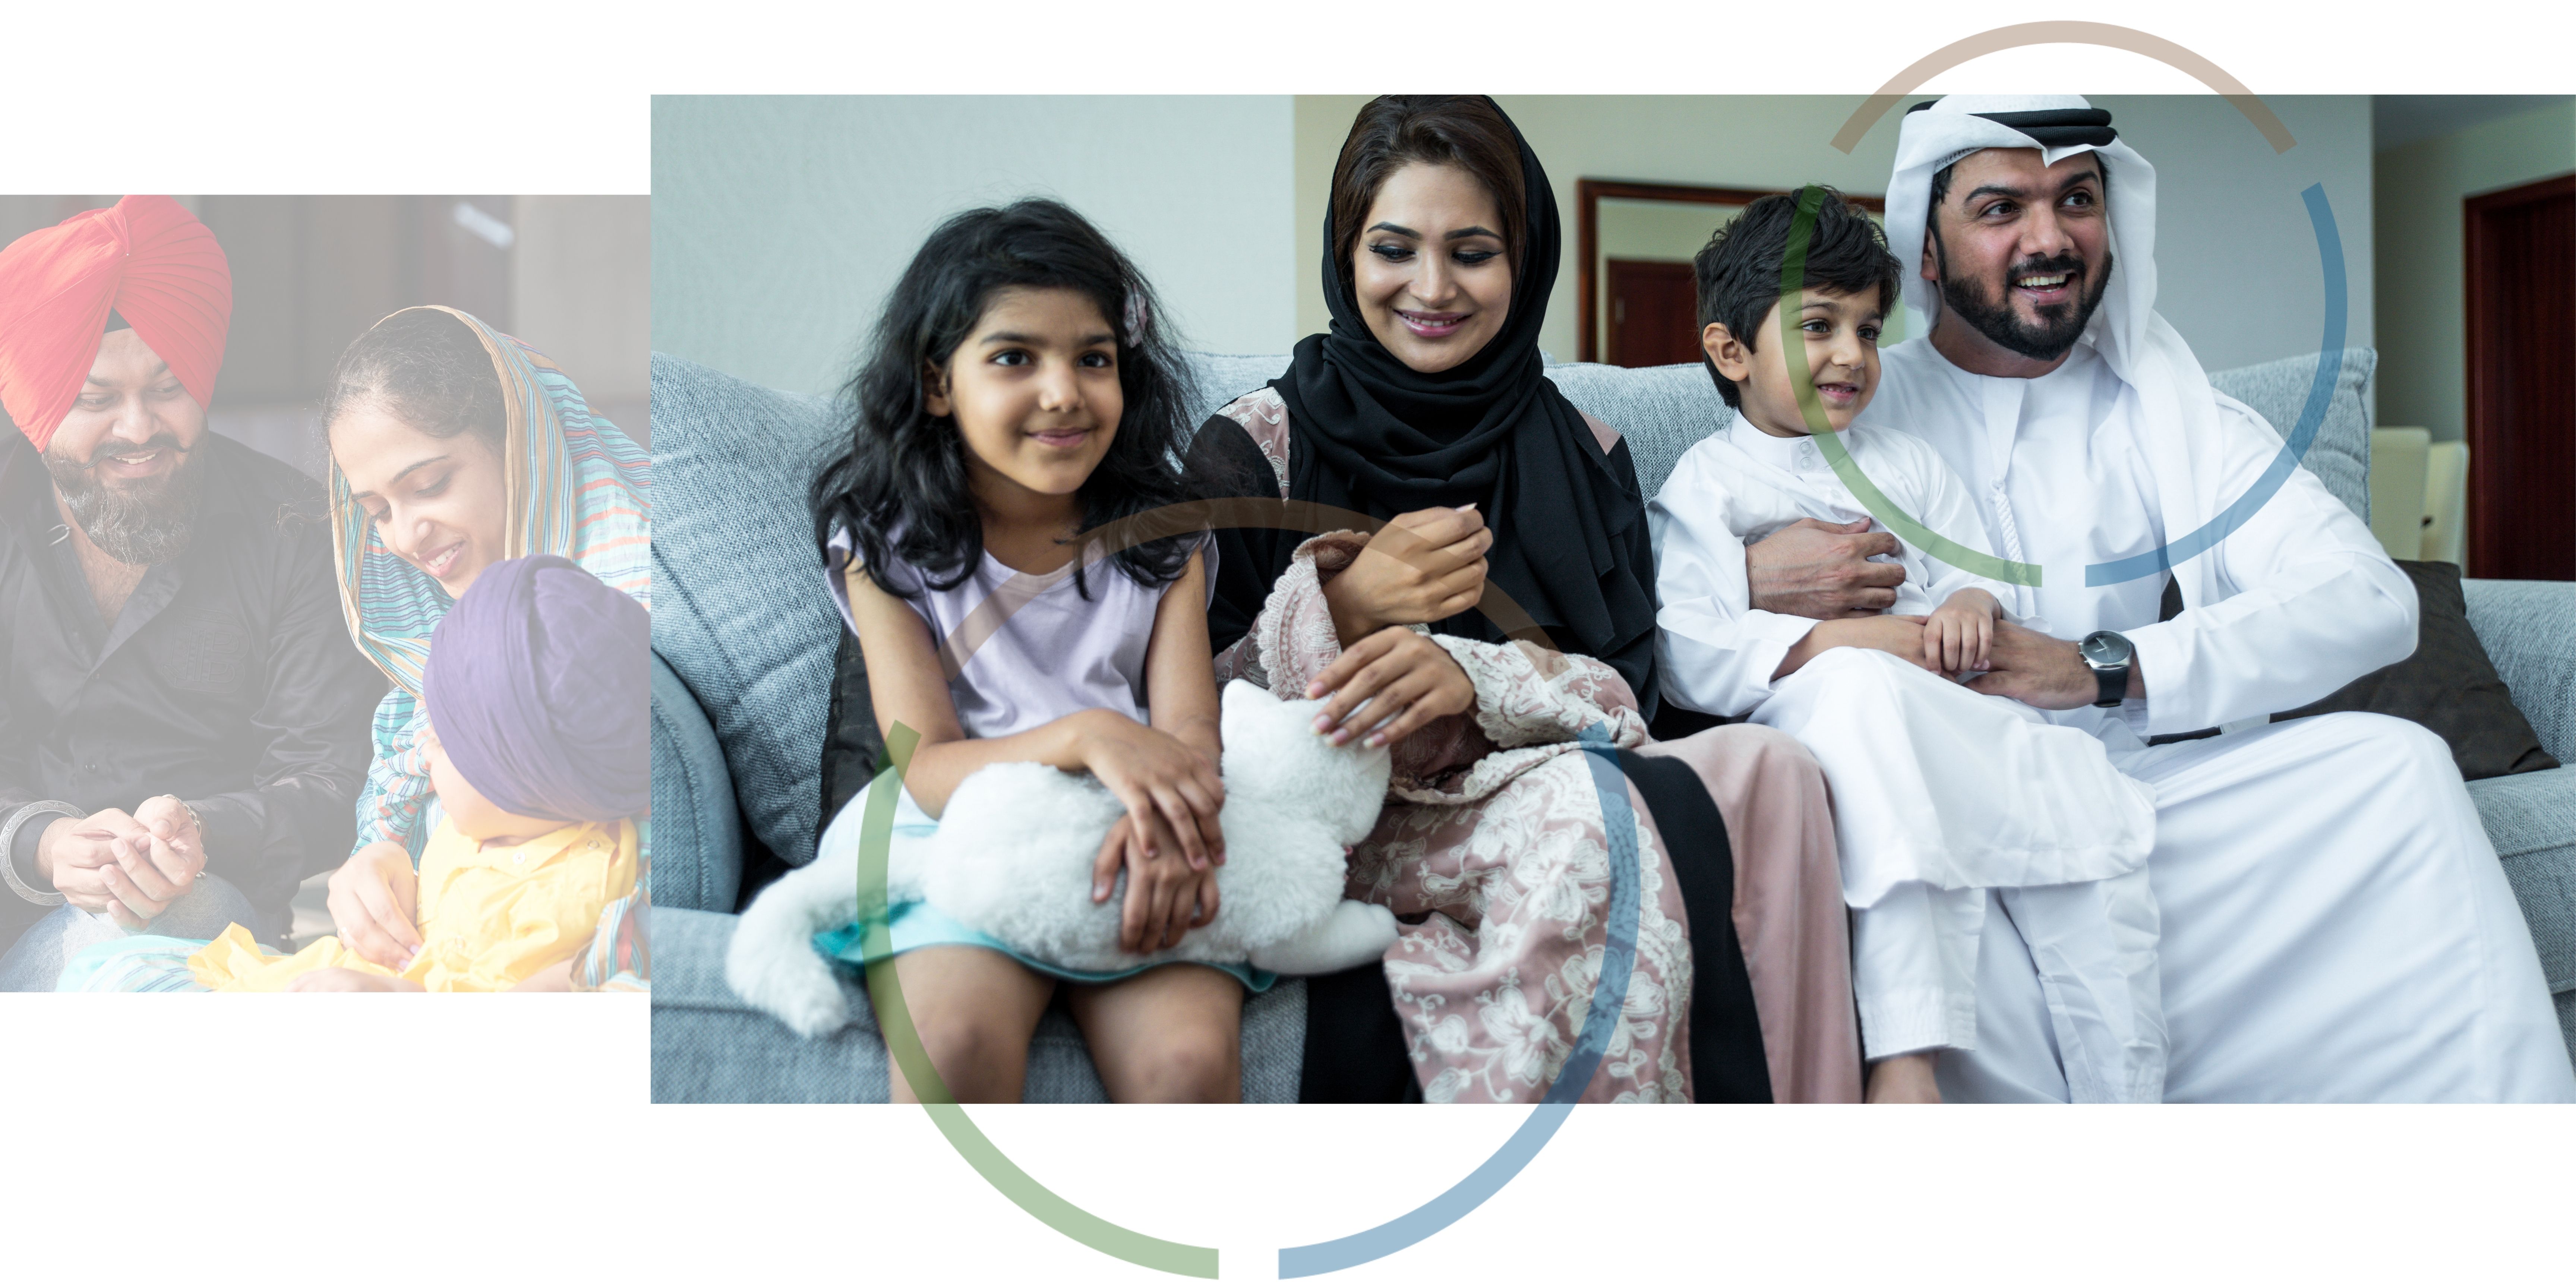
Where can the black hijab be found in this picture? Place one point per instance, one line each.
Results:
(1374, 435)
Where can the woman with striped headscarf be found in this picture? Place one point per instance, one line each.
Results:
(455, 447)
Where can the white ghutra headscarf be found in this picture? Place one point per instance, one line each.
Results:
(2179, 413)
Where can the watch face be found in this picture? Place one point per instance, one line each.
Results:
(2102, 648)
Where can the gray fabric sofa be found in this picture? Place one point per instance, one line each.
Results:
(744, 638)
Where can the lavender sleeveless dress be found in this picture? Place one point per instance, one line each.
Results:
(1020, 649)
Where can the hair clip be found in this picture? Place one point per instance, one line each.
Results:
(1138, 318)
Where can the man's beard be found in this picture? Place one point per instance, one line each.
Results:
(2059, 325)
(149, 521)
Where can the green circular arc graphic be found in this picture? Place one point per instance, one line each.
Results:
(1793, 345)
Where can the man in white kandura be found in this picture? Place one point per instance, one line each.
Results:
(2335, 925)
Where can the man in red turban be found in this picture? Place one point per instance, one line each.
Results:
(182, 712)
(144, 263)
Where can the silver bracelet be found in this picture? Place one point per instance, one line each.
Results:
(9, 850)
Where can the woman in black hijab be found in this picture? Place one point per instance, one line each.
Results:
(1508, 515)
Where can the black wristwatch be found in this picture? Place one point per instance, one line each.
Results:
(2109, 654)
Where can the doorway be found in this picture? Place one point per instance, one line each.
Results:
(1654, 312)
(1633, 243)
(2521, 264)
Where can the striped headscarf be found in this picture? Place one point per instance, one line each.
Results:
(577, 487)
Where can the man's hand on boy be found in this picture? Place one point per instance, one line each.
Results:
(374, 898)
(1823, 570)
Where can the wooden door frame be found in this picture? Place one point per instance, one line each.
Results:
(2481, 463)
(1588, 195)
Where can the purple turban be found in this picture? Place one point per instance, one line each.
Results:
(539, 685)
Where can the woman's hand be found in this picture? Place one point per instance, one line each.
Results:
(1388, 685)
(1171, 790)
(1958, 633)
(1421, 567)
(374, 898)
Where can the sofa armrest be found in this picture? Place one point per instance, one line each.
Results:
(2529, 629)
(697, 829)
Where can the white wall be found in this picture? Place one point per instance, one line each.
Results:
(2236, 257)
(581, 290)
(779, 223)
(2237, 260)
(2423, 373)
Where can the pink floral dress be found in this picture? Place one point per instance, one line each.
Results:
(1493, 854)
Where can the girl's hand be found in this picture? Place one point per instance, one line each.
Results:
(1421, 567)
(1166, 897)
(374, 897)
(1172, 791)
(1958, 634)
(1387, 686)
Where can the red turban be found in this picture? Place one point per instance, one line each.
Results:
(146, 258)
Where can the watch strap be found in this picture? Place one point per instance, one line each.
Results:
(2111, 684)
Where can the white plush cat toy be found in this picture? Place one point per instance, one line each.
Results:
(1013, 858)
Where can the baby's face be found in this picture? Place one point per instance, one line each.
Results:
(473, 813)
(1840, 354)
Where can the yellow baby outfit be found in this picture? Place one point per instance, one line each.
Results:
(490, 917)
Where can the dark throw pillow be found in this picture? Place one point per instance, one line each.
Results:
(2448, 686)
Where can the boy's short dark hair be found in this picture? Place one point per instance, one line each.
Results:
(1739, 270)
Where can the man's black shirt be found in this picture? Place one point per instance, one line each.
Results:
(228, 679)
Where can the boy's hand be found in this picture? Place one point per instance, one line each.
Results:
(1960, 633)
(1172, 792)
(1889, 633)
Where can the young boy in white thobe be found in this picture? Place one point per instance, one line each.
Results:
(1941, 794)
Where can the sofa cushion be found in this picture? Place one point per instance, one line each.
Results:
(2446, 685)
(740, 610)
(1220, 378)
(2532, 820)
(2529, 628)
(2278, 392)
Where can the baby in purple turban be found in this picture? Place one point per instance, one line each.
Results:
(538, 693)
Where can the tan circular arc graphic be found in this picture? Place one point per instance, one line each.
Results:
(2104, 34)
